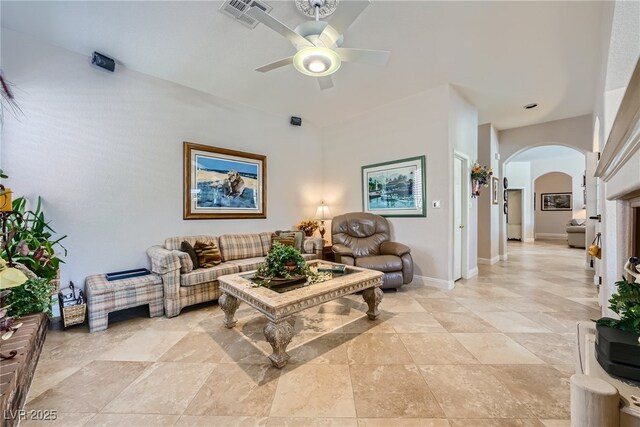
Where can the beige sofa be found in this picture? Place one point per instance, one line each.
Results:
(184, 286)
(576, 233)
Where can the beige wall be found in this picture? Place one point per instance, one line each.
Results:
(105, 152)
(488, 213)
(551, 223)
(433, 123)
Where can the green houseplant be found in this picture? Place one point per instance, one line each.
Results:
(29, 258)
(32, 243)
(33, 296)
(626, 304)
(283, 262)
(618, 340)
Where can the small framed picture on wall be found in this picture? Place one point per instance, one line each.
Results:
(495, 183)
(555, 202)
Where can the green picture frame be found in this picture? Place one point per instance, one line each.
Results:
(397, 188)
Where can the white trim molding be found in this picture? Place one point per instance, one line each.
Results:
(551, 236)
(624, 138)
(472, 273)
(489, 261)
(504, 257)
(433, 282)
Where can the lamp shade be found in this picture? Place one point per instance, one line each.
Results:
(323, 212)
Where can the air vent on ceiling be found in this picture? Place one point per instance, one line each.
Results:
(237, 9)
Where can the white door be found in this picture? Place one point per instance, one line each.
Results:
(458, 224)
(514, 215)
(592, 187)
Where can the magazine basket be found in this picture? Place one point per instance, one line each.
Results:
(72, 314)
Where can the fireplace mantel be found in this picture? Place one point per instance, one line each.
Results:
(624, 139)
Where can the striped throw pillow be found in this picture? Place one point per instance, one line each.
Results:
(208, 254)
(285, 240)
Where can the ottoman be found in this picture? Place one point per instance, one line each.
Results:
(104, 296)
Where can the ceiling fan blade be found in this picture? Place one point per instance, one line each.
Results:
(325, 82)
(343, 17)
(365, 56)
(277, 26)
(277, 64)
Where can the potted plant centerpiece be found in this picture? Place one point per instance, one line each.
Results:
(618, 340)
(283, 263)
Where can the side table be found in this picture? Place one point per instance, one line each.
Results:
(327, 254)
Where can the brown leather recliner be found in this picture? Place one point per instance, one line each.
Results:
(362, 239)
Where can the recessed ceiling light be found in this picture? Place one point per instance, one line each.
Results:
(530, 106)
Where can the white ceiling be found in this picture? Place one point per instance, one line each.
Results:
(547, 152)
(500, 55)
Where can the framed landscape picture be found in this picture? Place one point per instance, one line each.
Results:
(223, 184)
(555, 201)
(395, 188)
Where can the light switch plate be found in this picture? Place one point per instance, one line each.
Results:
(435, 204)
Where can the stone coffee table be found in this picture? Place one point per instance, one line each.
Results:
(281, 303)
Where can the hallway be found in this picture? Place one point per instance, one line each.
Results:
(495, 351)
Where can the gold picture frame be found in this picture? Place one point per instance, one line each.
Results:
(220, 183)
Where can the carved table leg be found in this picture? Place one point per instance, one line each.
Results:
(229, 305)
(279, 336)
(372, 296)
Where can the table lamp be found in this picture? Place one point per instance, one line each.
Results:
(322, 213)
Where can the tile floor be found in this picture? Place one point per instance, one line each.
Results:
(495, 351)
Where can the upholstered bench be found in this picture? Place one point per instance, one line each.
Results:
(104, 297)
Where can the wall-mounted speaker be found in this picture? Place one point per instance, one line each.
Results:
(296, 121)
(102, 61)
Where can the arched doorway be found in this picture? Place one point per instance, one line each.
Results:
(553, 205)
(523, 168)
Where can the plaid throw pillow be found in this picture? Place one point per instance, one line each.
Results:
(208, 254)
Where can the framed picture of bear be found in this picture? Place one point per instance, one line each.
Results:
(223, 184)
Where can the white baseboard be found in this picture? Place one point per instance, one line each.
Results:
(487, 261)
(472, 273)
(433, 282)
(528, 240)
(551, 235)
(504, 257)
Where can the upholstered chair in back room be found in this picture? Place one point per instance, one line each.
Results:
(363, 239)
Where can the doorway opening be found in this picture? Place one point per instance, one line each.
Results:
(460, 215)
(515, 217)
(522, 170)
(553, 208)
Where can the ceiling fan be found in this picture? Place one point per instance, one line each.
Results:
(318, 43)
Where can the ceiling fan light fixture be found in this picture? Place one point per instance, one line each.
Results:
(317, 61)
(317, 65)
